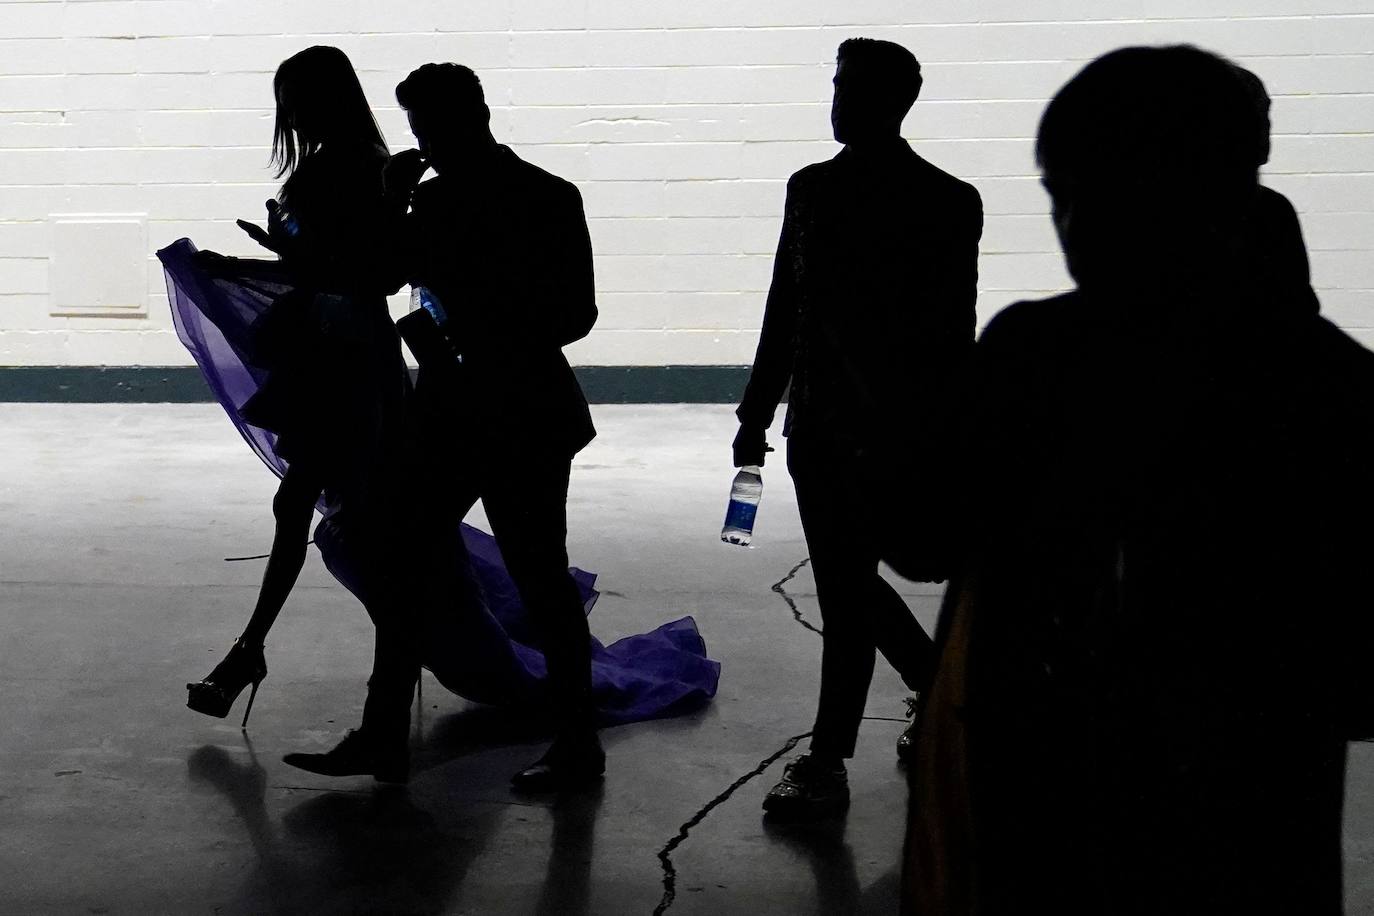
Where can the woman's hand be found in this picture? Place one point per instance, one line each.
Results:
(210, 262)
(275, 238)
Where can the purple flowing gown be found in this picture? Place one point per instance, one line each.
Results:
(481, 646)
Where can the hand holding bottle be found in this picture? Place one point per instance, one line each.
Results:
(750, 446)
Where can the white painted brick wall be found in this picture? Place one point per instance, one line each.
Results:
(679, 121)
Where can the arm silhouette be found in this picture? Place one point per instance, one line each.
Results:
(777, 341)
(568, 299)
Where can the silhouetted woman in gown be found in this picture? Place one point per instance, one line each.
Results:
(336, 378)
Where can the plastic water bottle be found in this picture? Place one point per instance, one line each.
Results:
(745, 494)
(284, 218)
(422, 298)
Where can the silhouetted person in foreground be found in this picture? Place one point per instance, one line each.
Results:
(336, 381)
(1154, 650)
(870, 317)
(503, 246)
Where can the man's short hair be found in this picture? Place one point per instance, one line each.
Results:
(441, 86)
(891, 66)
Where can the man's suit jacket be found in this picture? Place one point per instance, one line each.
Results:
(870, 315)
(507, 253)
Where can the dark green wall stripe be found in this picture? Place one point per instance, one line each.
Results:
(183, 384)
(102, 384)
(663, 384)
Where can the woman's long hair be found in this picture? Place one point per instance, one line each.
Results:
(323, 82)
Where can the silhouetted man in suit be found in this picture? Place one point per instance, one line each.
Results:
(870, 317)
(504, 247)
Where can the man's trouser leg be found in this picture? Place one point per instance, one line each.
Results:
(527, 504)
(860, 611)
(415, 554)
(396, 647)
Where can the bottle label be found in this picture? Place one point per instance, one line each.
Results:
(740, 515)
(430, 303)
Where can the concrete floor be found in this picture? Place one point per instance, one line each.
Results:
(114, 798)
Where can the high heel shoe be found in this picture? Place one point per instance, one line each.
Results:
(244, 665)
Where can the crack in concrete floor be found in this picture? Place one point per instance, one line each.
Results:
(665, 855)
(781, 592)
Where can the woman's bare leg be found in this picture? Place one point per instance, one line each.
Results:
(294, 508)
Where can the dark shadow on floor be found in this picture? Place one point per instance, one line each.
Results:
(349, 852)
(479, 728)
(568, 878)
(822, 846)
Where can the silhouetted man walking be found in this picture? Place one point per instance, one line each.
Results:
(870, 317)
(503, 246)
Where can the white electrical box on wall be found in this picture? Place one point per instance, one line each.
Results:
(98, 266)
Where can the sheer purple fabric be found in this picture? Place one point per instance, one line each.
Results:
(481, 646)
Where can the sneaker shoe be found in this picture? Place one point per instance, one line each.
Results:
(906, 742)
(810, 789)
